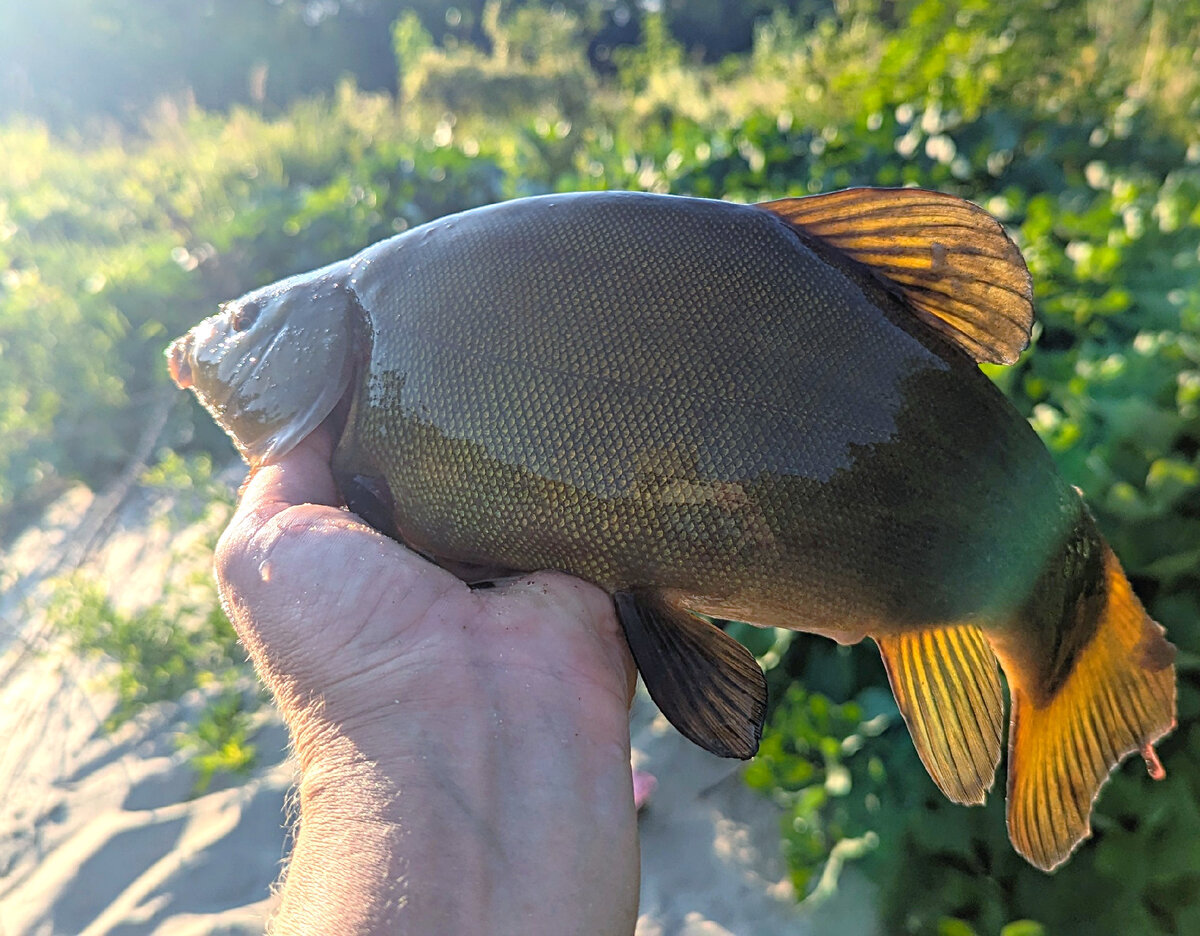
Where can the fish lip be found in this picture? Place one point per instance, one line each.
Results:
(179, 361)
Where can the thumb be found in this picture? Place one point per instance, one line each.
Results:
(281, 500)
(309, 587)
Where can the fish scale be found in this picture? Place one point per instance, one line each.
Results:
(662, 405)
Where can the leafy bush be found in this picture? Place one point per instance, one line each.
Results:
(79, 61)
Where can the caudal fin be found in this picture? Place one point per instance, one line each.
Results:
(1118, 697)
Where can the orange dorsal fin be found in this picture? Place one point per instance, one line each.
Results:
(950, 260)
(947, 685)
(1119, 697)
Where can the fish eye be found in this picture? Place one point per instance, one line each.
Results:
(245, 316)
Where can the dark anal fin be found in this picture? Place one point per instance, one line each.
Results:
(949, 260)
(947, 685)
(707, 684)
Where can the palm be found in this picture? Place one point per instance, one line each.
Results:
(355, 616)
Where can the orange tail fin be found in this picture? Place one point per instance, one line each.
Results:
(1117, 697)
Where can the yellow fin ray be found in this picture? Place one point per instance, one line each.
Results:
(947, 686)
(1118, 698)
(952, 262)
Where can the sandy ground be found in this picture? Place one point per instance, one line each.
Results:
(98, 833)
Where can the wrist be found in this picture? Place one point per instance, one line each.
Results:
(414, 815)
(507, 841)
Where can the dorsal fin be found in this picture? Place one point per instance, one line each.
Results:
(950, 260)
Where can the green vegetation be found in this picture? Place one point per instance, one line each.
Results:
(160, 652)
(179, 642)
(219, 742)
(156, 658)
(1075, 122)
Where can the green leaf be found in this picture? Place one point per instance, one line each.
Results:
(1023, 928)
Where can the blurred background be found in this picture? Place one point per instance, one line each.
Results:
(158, 158)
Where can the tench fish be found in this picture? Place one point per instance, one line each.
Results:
(769, 413)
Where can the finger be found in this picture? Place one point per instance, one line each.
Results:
(287, 539)
(303, 476)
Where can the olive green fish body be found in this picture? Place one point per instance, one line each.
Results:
(680, 394)
(767, 413)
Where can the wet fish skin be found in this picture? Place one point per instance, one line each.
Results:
(700, 432)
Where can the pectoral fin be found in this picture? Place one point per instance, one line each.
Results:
(363, 488)
(708, 685)
(947, 684)
(371, 499)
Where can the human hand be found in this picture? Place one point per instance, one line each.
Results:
(464, 754)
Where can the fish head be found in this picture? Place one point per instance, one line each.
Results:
(273, 364)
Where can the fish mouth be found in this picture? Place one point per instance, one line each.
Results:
(179, 361)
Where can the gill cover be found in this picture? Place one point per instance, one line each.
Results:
(273, 364)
